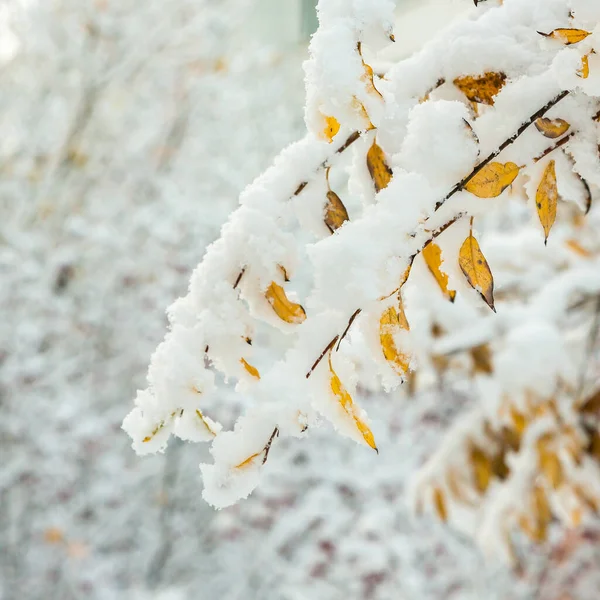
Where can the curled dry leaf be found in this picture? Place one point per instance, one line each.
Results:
(567, 36)
(392, 320)
(252, 370)
(552, 128)
(492, 179)
(546, 199)
(482, 468)
(287, 311)
(476, 269)
(332, 126)
(347, 404)
(482, 359)
(588, 194)
(482, 88)
(368, 79)
(381, 174)
(439, 502)
(432, 255)
(335, 212)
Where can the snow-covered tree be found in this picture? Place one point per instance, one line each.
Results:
(420, 199)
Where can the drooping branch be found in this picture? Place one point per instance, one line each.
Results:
(458, 187)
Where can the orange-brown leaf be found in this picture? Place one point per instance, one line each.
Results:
(335, 212)
(432, 255)
(552, 128)
(546, 198)
(476, 269)
(381, 174)
(493, 179)
(481, 88)
(584, 72)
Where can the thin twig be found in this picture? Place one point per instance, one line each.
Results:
(325, 351)
(350, 321)
(459, 186)
(558, 144)
(268, 446)
(532, 119)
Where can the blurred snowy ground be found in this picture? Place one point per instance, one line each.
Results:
(128, 132)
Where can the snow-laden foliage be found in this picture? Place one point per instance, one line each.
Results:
(392, 277)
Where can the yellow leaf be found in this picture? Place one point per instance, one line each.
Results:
(576, 247)
(584, 72)
(550, 465)
(360, 108)
(476, 269)
(546, 199)
(331, 128)
(552, 128)
(287, 311)
(482, 359)
(54, 535)
(440, 504)
(432, 254)
(368, 79)
(248, 461)
(252, 370)
(335, 212)
(205, 423)
(493, 179)
(347, 404)
(154, 432)
(481, 88)
(381, 174)
(392, 320)
(567, 36)
(482, 468)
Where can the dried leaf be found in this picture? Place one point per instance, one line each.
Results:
(588, 194)
(576, 247)
(584, 72)
(476, 269)
(546, 199)
(283, 272)
(54, 535)
(331, 128)
(482, 468)
(381, 174)
(335, 212)
(567, 36)
(482, 359)
(440, 504)
(481, 88)
(252, 370)
(552, 128)
(432, 255)
(392, 320)
(347, 404)
(493, 179)
(549, 464)
(287, 311)
(249, 461)
(360, 108)
(368, 79)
